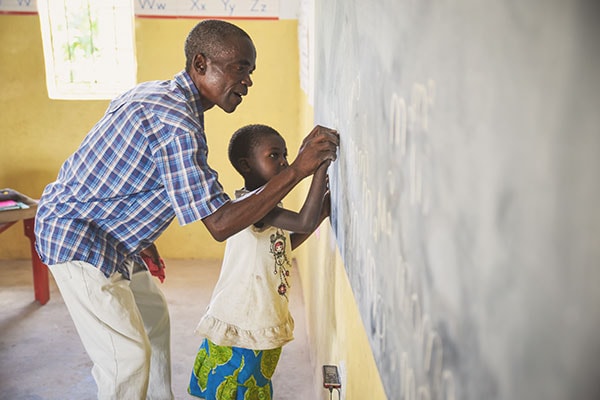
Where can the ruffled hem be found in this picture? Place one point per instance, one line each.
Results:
(224, 334)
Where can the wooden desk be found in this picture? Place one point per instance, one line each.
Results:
(8, 218)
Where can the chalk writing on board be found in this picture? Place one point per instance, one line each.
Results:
(372, 222)
(462, 131)
(369, 215)
(427, 340)
(408, 128)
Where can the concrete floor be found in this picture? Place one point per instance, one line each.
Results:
(41, 356)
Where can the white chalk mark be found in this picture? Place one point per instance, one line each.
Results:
(413, 172)
(425, 326)
(379, 322)
(431, 92)
(416, 312)
(419, 102)
(424, 393)
(449, 386)
(409, 388)
(398, 123)
(419, 181)
(391, 183)
(433, 354)
(370, 284)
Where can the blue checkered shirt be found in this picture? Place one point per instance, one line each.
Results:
(141, 165)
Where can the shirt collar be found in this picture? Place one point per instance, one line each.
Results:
(184, 81)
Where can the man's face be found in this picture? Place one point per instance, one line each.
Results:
(226, 77)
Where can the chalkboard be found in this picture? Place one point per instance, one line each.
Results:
(466, 194)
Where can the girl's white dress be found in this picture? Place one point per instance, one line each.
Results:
(249, 305)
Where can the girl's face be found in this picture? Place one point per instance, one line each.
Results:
(267, 159)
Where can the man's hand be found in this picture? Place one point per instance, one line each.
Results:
(318, 146)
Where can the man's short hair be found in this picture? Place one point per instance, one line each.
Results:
(209, 38)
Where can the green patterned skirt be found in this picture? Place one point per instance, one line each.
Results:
(233, 373)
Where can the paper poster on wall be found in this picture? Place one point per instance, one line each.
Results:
(18, 7)
(230, 9)
(242, 9)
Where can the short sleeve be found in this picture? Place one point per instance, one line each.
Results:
(181, 159)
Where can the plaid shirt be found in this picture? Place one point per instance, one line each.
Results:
(141, 165)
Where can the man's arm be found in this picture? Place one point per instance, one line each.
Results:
(320, 145)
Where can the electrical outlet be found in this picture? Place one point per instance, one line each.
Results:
(331, 377)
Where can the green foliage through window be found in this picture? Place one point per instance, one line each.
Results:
(88, 47)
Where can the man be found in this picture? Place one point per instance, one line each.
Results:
(143, 164)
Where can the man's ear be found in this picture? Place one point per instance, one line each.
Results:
(199, 64)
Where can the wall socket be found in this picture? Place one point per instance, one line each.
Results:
(331, 377)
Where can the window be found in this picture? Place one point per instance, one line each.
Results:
(88, 47)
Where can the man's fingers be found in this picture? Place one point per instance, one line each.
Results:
(332, 137)
(321, 130)
(330, 149)
(329, 156)
(320, 135)
(319, 146)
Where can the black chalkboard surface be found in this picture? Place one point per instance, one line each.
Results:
(466, 197)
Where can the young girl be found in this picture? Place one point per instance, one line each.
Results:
(248, 321)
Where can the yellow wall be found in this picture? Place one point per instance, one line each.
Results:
(37, 134)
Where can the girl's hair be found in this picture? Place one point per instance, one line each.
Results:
(209, 38)
(245, 139)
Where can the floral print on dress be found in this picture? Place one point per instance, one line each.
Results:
(282, 264)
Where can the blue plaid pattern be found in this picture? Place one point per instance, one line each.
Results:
(141, 165)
